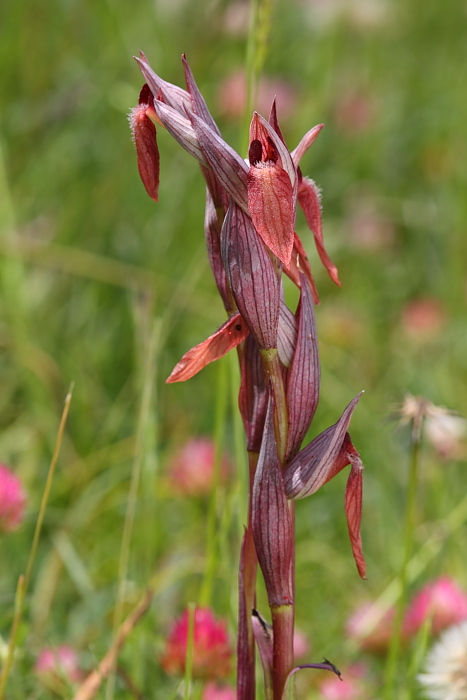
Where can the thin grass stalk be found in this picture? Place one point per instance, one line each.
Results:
(220, 414)
(143, 425)
(257, 45)
(409, 529)
(19, 599)
(23, 581)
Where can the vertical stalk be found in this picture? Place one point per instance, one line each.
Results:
(282, 616)
(247, 590)
(212, 553)
(24, 580)
(409, 527)
(282, 655)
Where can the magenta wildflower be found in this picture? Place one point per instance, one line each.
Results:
(191, 471)
(12, 500)
(370, 625)
(58, 664)
(441, 602)
(212, 653)
(214, 691)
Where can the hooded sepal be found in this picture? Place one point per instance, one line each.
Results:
(178, 126)
(145, 139)
(321, 460)
(266, 134)
(272, 520)
(254, 281)
(228, 167)
(229, 335)
(199, 105)
(271, 200)
(253, 396)
(304, 374)
(310, 201)
(175, 96)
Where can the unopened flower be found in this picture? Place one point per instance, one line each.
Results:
(214, 691)
(12, 500)
(441, 601)
(371, 627)
(192, 468)
(58, 664)
(212, 653)
(445, 674)
(319, 462)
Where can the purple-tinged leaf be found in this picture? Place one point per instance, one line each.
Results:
(264, 641)
(229, 168)
(216, 346)
(199, 105)
(305, 144)
(253, 396)
(353, 506)
(180, 128)
(286, 335)
(144, 135)
(304, 374)
(310, 202)
(252, 277)
(175, 96)
(321, 460)
(272, 520)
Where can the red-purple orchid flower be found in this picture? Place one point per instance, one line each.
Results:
(251, 240)
(267, 191)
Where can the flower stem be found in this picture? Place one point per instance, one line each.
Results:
(247, 602)
(283, 626)
(409, 528)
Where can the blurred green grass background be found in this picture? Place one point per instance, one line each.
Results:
(103, 287)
